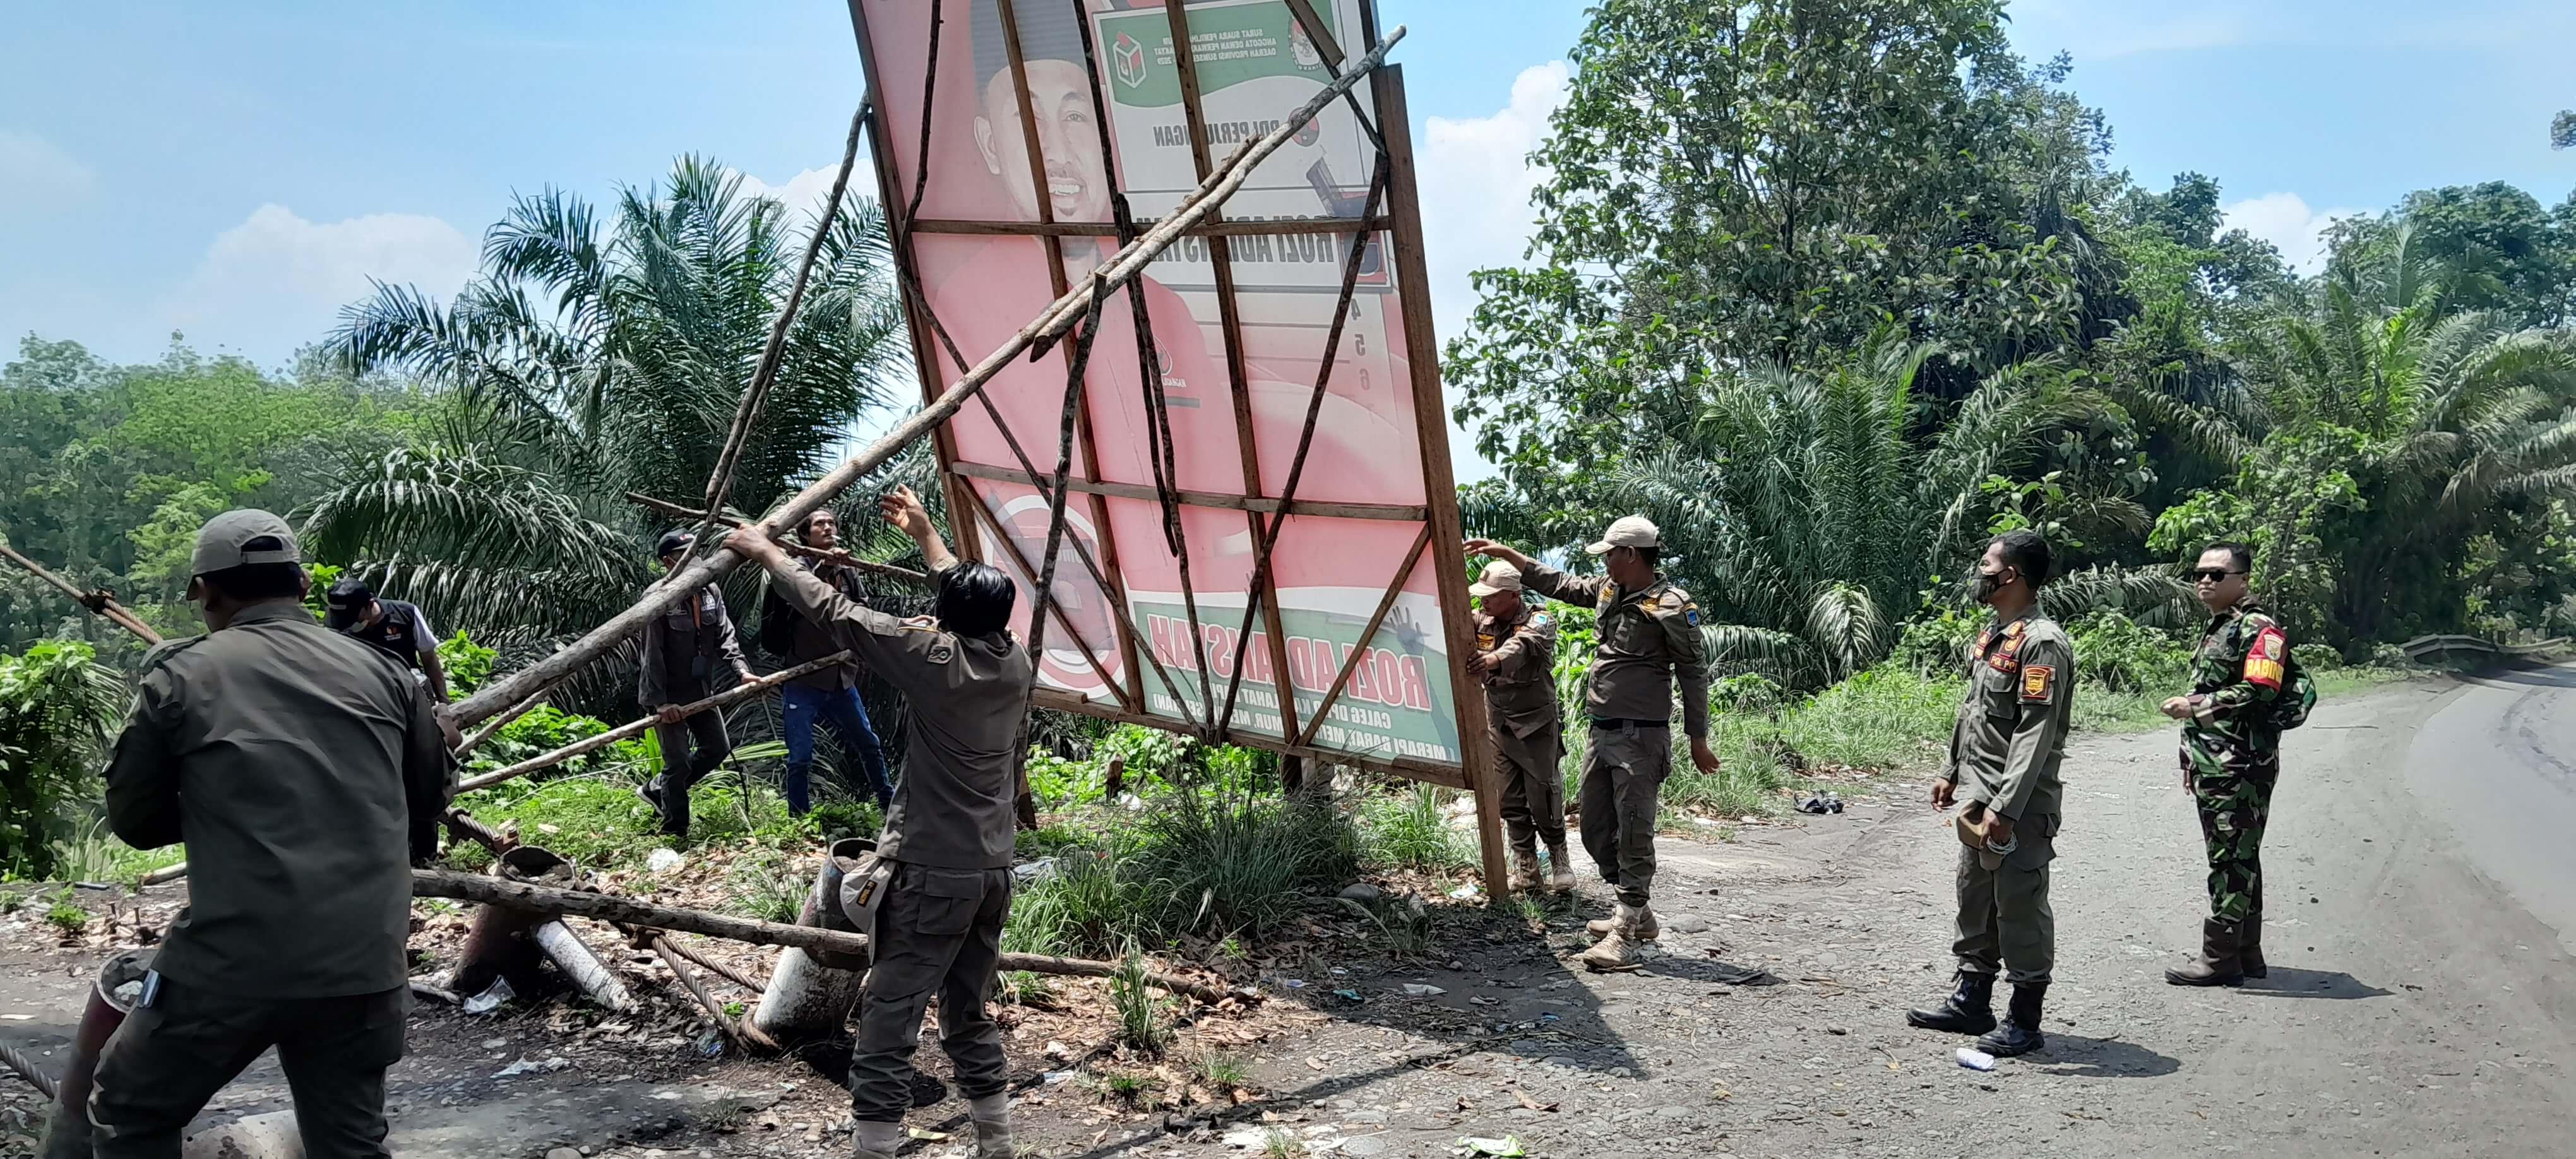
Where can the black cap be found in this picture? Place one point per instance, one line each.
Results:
(674, 541)
(347, 600)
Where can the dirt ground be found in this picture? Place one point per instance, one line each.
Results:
(2415, 1007)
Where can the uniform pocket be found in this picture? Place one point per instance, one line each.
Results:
(944, 901)
(1996, 691)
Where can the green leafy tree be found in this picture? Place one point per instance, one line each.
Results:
(2451, 424)
(56, 709)
(1807, 517)
(1768, 183)
(595, 357)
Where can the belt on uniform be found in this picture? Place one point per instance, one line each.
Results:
(1611, 723)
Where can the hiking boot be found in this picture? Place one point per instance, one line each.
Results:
(2019, 1033)
(1617, 949)
(1970, 1009)
(2218, 963)
(1524, 866)
(2249, 946)
(877, 1140)
(1560, 872)
(1646, 930)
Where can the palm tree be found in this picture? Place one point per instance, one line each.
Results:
(1810, 519)
(2450, 423)
(591, 360)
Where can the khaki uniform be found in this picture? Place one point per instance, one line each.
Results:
(1523, 721)
(1646, 641)
(2005, 749)
(950, 833)
(690, 653)
(305, 773)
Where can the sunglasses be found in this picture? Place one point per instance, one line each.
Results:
(2210, 574)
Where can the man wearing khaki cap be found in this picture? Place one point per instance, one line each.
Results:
(1516, 659)
(305, 773)
(1648, 636)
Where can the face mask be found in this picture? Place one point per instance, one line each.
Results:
(1988, 583)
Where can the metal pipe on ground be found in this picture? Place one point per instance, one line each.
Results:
(811, 993)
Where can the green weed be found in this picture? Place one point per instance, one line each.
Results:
(1220, 1070)
(1142, 1026)
(765, 884)
(1409, 829)
(66, 915)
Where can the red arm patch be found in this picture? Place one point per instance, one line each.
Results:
(2264, 661)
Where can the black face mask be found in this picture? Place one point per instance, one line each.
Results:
(1988, 583)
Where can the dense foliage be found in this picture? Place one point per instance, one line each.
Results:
(1835, 291)
(56, 710)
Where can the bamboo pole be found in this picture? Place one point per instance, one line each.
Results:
(790, 546)
(97, 601)
(491, 890)
(1040, 333)
(739, 692)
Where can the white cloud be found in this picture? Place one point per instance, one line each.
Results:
(277, 281)
(1476, 180)
(36, 175)
(803, 194)
(2285, 220)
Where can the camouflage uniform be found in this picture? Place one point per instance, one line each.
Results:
(2231, 753)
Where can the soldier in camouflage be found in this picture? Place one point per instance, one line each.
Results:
(2231, 756)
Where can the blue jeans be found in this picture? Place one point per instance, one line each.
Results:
(849, 720)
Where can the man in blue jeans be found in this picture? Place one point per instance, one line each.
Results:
(832, 693)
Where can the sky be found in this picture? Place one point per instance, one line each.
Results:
(238, 172)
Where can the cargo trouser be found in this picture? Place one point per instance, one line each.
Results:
(939, 931)
(2231, 788)
(168, 1059)
(2004, 919)
(1533, 784)
(683, 762)
(1624, 766)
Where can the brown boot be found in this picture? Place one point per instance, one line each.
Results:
(1560, 872)
(2218, 963)
(1524, 863)
(1616, 952)
(1646, 930)
(2249, 946)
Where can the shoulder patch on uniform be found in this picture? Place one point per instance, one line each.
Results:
(1539, 620)
(2264, 661)
(942, 651)
(2037, 682)
(1690, 612)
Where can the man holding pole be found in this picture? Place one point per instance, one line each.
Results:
(687, 649)
(306, 775)
(1648, 639)
(833, 693)
(948, 836)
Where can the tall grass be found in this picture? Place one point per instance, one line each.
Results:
(1409, 829)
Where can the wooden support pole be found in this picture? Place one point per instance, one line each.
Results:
(98, 601)
(490, 890)
(790, 546)
(632, 728)
(1039, 334)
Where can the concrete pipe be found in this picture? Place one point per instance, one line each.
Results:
(67, 1136)
(810, 995)
(500, 943)
(269, 1136)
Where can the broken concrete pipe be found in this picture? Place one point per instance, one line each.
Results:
(810, 995)
(505, 943)
(67, 1136)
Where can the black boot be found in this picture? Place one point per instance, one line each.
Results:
(2020, 1032)
(1969, 1010)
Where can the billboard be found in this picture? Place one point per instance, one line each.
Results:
(1001, 181)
